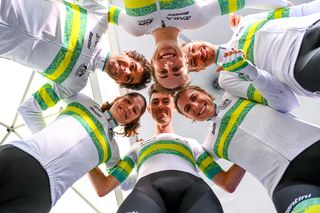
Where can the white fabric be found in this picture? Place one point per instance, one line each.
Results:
(265, 142)
(163, 162)
(277, 43)
(189, 17)
(65, 149)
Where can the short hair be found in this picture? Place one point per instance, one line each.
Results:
(157, 88)
(131, 128)
(147, 70)
(177, 96)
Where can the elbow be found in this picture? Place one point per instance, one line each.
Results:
(101, 193)
(229, 188)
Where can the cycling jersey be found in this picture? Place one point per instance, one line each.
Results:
(257, 85)
(272, 40)
(261, 140)
(58, 39)
(144, 16)
(166, 151)
(76, 142)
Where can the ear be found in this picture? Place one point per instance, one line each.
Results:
(149, 109)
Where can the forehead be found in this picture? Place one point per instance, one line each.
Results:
(160, 95)
(138, 100)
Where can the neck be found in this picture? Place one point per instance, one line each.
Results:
(166, 33)
(164, 129)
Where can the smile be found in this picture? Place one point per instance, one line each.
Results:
(167, 56)
(204, 54)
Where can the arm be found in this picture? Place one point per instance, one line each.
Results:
(230, 179)
(242, 79)
(101, 183)
(222, 7)
(294, 11)
(95, 6)
(31, 109)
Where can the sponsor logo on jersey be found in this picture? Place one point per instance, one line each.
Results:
(97, 37)
(179, 16)
(96, 110)
(214, 126)
(81, 70)
(225, 104)
(145, 22)
(297, 200)
(89, 40)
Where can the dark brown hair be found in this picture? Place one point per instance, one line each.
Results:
(157, 88)
(130, 129)
(147, 70)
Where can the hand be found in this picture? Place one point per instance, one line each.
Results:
(233, 61)
(234, 19)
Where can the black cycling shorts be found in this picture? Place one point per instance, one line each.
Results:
(173, 192)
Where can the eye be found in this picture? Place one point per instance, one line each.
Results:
(154, 102)
(135, 110)
(187, 108)
(175, 69)
(193, 97)
(163, 71)
(128, 101)
(133, 66)
(166, 101)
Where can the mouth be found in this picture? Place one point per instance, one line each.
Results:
(204, 54)
(202, 109)
(167, 56)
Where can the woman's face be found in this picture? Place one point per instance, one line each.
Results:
(170, 69)
(196, 105)
(127, 109)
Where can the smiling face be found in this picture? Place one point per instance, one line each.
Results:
(124, 69)
(200, 55)
(170, 69)
(127, 109)
(196, 105)
(161, 107)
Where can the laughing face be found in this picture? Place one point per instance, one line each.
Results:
(196, 105)
(127, 109)
(124, 70)
(200, 55)
(170, 69)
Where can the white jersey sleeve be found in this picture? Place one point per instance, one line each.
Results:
(45, 97)
(295, 11)
(94, 6)
(216, 8)
(264, 89)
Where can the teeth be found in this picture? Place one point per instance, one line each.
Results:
(166, 56)
(202, 110)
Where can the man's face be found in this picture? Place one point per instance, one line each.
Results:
(196, 105)
(199, 55)
(170, 68)
(161, 107)
(124, 70)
